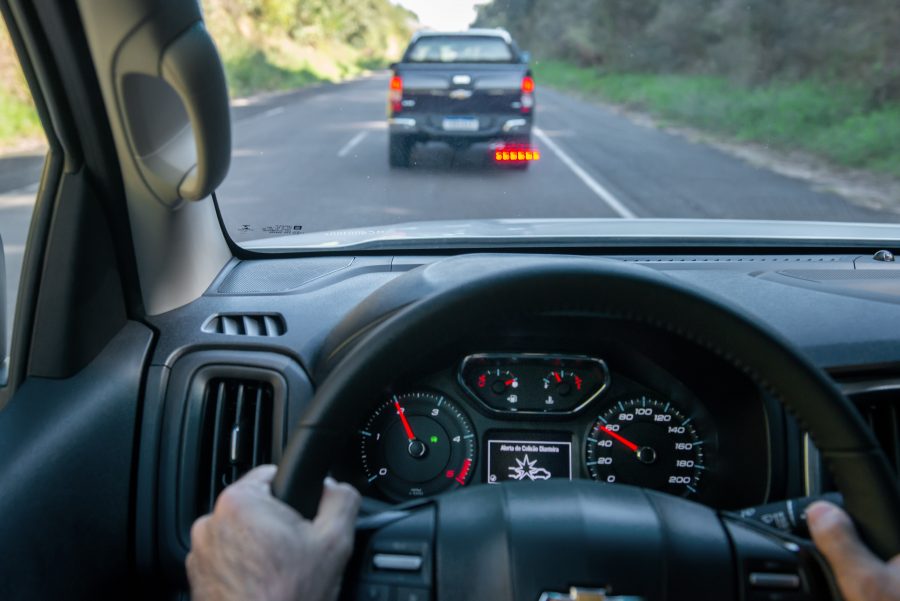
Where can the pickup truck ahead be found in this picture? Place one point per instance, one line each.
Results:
(462, 89)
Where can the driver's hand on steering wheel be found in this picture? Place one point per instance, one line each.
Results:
(253, 546)
(860, 575)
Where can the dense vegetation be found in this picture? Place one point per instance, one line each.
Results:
(821, 75)
(276, 44)
(18, 120)
(265, 45)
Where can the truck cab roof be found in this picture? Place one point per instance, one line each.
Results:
(495, 32)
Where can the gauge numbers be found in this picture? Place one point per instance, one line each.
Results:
(417, 444)
(649, 443)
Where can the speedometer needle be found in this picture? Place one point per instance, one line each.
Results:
(409, 432)
(633, 447)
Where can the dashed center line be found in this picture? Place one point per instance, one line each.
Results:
(605, 195)
(352, 143)
(275, 111)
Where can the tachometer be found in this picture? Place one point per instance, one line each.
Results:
(646, 442)
(417, 444)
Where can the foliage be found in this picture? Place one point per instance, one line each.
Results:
(18, 119)
(279, 44)
(826, 119)
(750, 41)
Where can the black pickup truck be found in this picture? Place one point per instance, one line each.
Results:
(460, 88)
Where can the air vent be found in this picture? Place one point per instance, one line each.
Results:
(237, 434)
(246, 324)
(882, 413)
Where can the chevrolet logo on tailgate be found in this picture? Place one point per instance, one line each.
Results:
(587, 594)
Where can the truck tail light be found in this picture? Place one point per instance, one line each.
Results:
(516, 153)
(527, 94)
(395, 94)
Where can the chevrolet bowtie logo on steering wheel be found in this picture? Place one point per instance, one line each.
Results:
(587, 594)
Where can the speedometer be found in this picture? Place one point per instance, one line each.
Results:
(647, 442)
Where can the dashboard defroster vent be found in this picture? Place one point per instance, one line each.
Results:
(246, 324)
(237, 434)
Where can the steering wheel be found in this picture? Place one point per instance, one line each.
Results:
(529, 542)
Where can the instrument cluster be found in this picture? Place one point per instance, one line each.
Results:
(496, 417)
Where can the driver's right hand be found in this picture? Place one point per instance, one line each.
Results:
(860, 575)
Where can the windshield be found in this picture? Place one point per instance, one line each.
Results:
(426, 121)
(459, 49)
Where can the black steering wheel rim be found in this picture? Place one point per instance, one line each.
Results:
(475, 289)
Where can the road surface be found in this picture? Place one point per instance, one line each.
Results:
(321, 163)
(316, 160)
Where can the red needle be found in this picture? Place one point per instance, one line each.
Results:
(509, 382)
(620, 438)
(409, 432)
(558, 378)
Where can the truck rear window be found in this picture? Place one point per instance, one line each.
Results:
(457, 49)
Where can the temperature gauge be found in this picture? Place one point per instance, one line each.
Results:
(560, 385)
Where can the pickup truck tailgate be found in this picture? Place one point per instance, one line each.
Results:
(461, 89)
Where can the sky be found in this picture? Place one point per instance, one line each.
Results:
(443, 14)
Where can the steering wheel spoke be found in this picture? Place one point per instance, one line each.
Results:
(394, 557)
(774, 565)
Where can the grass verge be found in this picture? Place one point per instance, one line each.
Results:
(826, 120)
(18, 121)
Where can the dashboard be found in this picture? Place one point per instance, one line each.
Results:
(562, 396)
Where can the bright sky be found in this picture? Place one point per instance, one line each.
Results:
(443, 14)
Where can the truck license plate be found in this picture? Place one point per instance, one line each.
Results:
(460, 124)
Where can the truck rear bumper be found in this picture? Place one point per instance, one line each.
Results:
(491, 127)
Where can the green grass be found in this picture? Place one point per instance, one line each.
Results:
(253, 72)
(18, 120)
(827, 120)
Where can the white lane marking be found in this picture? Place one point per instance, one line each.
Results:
(352, 143)
(20, 198)
(605, 195)
(29, 190)
(275, 111)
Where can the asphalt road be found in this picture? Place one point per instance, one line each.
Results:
(320, 162)
(316, 159)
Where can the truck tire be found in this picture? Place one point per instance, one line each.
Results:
(399, 151)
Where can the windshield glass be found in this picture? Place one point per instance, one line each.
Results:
(421, 122)
(459, 49)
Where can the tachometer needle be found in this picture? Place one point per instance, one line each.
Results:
(633, 447)
(409, 432)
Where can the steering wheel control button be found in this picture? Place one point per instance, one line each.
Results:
(397, 563)
(769, 580)
(412, 594)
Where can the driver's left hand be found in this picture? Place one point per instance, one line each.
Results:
(253, 546)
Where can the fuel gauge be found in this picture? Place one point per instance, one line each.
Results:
(498, 387)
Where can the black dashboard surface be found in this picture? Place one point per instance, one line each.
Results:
(839, 309)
